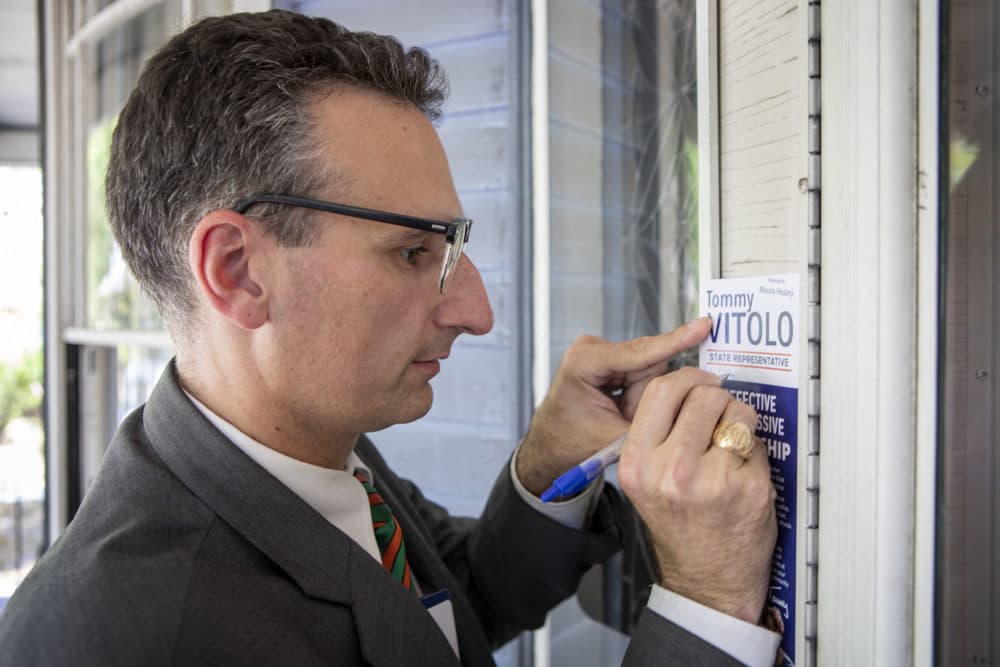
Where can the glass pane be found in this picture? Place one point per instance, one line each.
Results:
(969, 466)
(439, 20)
(204, 8)
(200, 7)
(22, 439)
(623, 156)
(137, 370)
(623, 132)
(113, 382)
(114, 300)
(92, 7)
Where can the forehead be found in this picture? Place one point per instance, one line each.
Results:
(386, 153)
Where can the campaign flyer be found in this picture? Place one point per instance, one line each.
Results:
(754, 342)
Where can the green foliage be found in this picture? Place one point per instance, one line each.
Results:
(114, 299)
(99, 240)
(962, 153)
(20, 389)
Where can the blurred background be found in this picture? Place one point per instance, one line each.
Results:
(22, 440)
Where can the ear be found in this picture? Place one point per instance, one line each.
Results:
(226, 253)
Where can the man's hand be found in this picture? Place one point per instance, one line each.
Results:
(593, 398)
(710, 514)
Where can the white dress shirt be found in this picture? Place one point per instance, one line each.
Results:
(341, 500)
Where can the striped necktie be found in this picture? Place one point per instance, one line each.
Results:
(388, 534)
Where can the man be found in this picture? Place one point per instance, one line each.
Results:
(277, 187)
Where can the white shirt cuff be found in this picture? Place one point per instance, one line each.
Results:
(572, 513)
(751, 644)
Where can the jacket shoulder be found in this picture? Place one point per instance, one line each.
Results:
(112, 588)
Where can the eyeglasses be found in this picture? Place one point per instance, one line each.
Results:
(456, 232)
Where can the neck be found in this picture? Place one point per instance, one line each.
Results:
(239, 395)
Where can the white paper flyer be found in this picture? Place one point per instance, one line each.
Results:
(755, 342)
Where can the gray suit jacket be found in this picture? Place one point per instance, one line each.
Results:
(186, 552)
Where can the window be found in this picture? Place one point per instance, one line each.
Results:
(968, 567)
(112, 65)
(623, 219)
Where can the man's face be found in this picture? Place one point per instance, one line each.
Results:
(358, 327)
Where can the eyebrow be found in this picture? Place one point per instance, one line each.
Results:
(404, 235)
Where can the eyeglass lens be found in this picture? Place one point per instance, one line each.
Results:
(452, 255)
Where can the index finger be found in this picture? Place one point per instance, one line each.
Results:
(641, 353)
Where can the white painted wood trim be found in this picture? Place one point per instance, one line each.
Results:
(540, 279)
(869, 335)
(114, 338)
(55, 196)
(72, 218)
(187, 12)
(707, 27)
(928, 289)
(541, 310)
(896, 277)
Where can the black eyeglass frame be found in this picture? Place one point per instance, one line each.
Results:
(456, 232)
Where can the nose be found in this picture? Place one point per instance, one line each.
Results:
(464, 304)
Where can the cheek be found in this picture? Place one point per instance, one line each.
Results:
(358, 320)
(360, 331)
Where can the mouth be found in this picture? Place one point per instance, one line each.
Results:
(431, 365)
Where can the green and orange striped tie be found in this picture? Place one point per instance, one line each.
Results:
(388, 534)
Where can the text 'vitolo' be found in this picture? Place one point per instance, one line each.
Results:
(748, 326)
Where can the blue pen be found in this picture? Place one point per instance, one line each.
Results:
(575, 480)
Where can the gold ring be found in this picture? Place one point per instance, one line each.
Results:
(735, 437)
